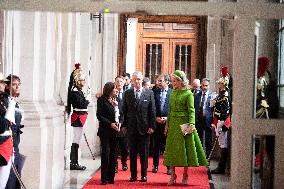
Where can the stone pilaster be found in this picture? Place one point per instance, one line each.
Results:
(30, 54)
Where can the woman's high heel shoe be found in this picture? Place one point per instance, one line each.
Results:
(172, 180)
(184, 179)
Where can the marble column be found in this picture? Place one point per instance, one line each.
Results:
(29, 53)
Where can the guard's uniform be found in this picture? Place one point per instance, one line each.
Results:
(79, 102)
(222, 117)
(6, 142)
(18, 158)
(222, 122)
(80, 112)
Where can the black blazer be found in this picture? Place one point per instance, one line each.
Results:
(165, 111)
(120, 105)
(106, 116)
(208, 109)
(139, 115)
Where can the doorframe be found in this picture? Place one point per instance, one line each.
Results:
(201, 40)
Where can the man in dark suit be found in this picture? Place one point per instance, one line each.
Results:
(204, 115)
(139, 119)
(162, 97)
(121, 137)
(127, 79)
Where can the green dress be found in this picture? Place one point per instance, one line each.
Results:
(182, 151)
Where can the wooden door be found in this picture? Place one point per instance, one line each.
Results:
(162, 49)
(183, 56)
(153, 57)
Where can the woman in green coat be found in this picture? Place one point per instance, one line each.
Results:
(182, 151)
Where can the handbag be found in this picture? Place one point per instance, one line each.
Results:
(187, 128)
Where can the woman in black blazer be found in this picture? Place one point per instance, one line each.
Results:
(108, 128)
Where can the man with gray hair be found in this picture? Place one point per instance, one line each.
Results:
(204, 115)
(195, 86)
(139, 119)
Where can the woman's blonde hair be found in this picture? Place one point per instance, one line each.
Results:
(180, 75)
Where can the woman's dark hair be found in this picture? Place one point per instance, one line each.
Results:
(108, 88)
(14, 77)
(126, 75)
(10, 79)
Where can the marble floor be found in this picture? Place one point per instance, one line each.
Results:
(76, 179)
(219, 181)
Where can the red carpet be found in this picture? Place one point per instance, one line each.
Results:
(198, 179)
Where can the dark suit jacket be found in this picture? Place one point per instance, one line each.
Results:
(121, 114)
(208, 109)
(106, 116)
(164, 113)
(139, 115)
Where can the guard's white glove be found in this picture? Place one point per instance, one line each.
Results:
(89, 91)
(89, 97)
(10, 113)
(218, 130)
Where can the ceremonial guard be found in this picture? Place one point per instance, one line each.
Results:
(221, 123)
(14, 115)
(263, 79)
(79, 102)
(6, 141)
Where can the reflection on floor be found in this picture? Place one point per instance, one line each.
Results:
(76, 179)
(219, 181)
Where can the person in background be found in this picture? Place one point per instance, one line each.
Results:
(229, 87)
(6, 141)
(155, 85)
(122, 146)
(182, 151)
(146, 83)
(77, 99)
(204, 115)
(195, 86)
(221, 123)
(127, 84)
(13, 89)
(228, 77)
(139, 119)
(108, 129)
(266, 97)
(162, 98)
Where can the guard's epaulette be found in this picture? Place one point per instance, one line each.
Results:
(224, 98)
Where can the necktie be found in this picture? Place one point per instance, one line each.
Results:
(120, 95)
(202, 103)
(162, 100)
(137, 94)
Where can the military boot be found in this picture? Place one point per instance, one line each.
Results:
(74, 165)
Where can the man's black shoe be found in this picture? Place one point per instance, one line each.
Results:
(218, 171)
(133, 179)
(124, 167)
(103, 183)
(110, 182)
(143, 179)
(155, 169)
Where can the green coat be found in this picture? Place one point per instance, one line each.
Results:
(182, 150)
